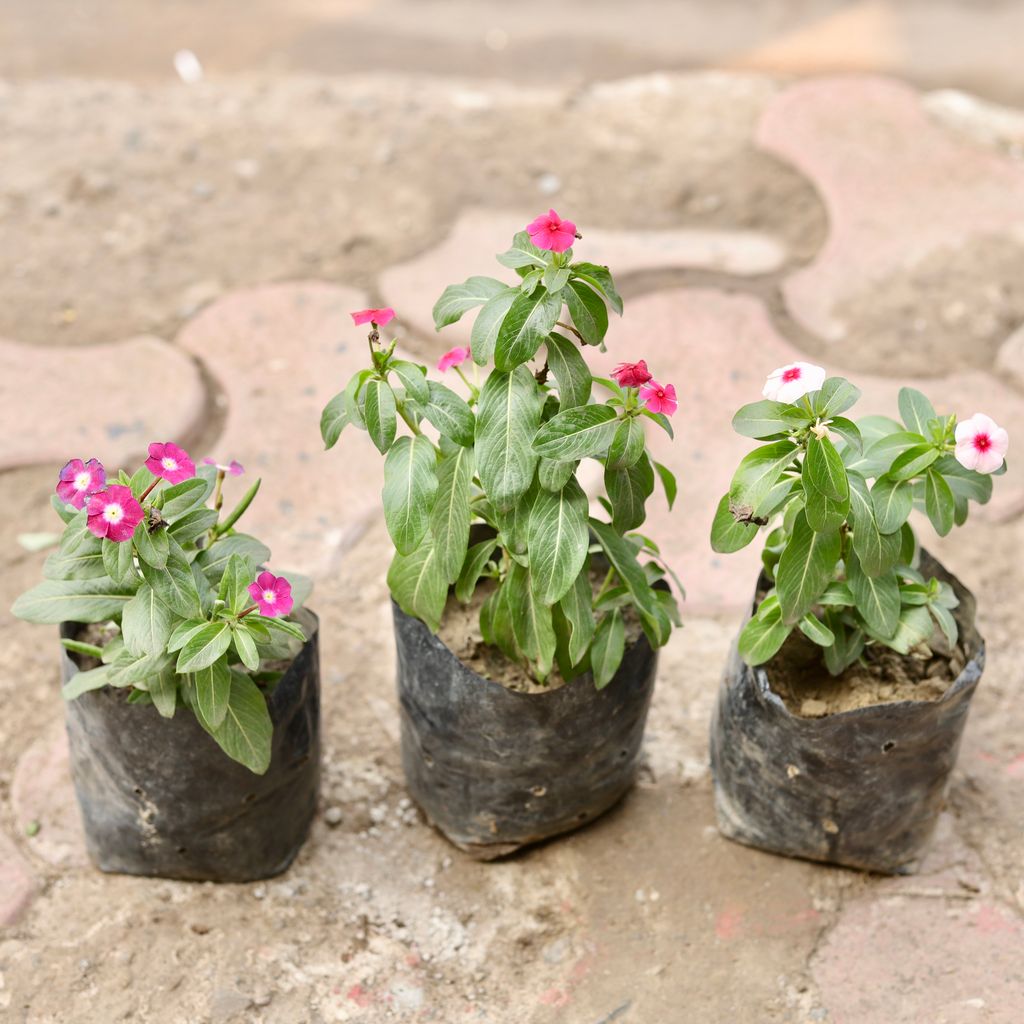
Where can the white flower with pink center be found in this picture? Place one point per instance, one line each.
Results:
(789, 383)
(981, 443)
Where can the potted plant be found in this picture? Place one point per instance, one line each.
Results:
(840, 715)
(191, 673)
(526, 627)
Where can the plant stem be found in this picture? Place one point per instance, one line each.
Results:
(248, 611)
(569, 327)
(604, 586)
(145, 494)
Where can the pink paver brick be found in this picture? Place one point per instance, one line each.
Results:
(107, 401)
(413, 287)
(42, 793)
(897, 186)
(717, 349)
(17, 883)
(280, 352)
(911, 960)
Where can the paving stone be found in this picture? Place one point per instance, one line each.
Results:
(42, 797)
(412, 288)
(280, 352)
(1010, 361)
(906, 960)
(923, 259)
(107, 401)
(17, 883)
(717, 349)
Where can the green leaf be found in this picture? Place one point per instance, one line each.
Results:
(878, 552)
(55, 601)
(417, 582)
(192, 525)
(588, 312)
(239, 510)
(825, 469)
(847, 647)
(758, 473)
(212, 689)
(77, 647)
(877, 599)
(522, 254)
(246, 733)
(413, 378)
(476, 559)
(761, 639)
(914, 627)
(728, 535)
(182, 632)
(450, 414)
(151, 547)
(823, 513)
(234, 584)
(576, 433)
(608, 648)
(531, 280)
(577, 607)
(553, 476)
(507, 418)
(183, 497)
(814, 629)
(484, 335)
(450, 515)
(893, 501)
(915, 411)
(555, 278)
(849, 433)
(410, 486)
(333, 420)
(964, 483)
(913, 462)
(600, 279)
(805, 569)
(66, 512)
(622, 556)
(175, 585)
(947, 623)
(457, 299)
(760, 419)
(380, 414)
(532, 624)
(627, 444)
(879, 456)
(84, 564)
(204, 647)
(939, 502)
(628, 491)
(570, 370)
(214, 559)
(668, 482)
(557, 537)
(146, 623)
(527, 324)
(83, 682)
(836, 396)
(163, 691)
(118, 560)
(245, 646)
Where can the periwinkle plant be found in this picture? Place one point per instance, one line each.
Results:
(843, 556)
(505, 454)
(195, 619)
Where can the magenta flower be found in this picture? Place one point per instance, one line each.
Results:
(171, 462)
(273, 594)
(631, 375)
(380, 317)
(549, 231)
(453, 357)
(78, 479)
(659, 397)
(114, 513)
(981, 444)
(233, 468)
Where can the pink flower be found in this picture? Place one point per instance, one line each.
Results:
(171, 462)
(549, 231)
(114, 513)
(78, 479)
(233, 468)
(380, 317)
(981, 443)
(272, 593)
(659, 397)
(453, 357)
(631, 375)
(789, 383)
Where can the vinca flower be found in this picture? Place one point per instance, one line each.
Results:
(981, 444)
(273, 594)
(114, 513)
(631, 375)
(659, 397)
(380, 317)
(233, 468)
(453, 357)
(78, 479)
(549, 231)
(169, 461)
(789, 383)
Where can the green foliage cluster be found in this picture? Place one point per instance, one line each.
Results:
(840, 550)
(506, 456)
(176, 592)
